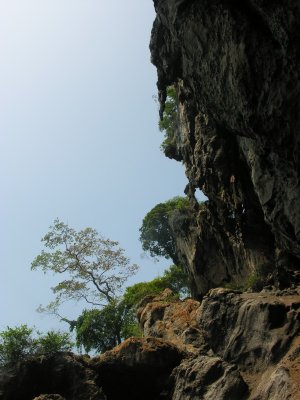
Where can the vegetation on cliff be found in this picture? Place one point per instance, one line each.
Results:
(156, 235)
(168, 124)
(21, 342)
(95, 270)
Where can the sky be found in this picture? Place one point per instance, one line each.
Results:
(79, 138)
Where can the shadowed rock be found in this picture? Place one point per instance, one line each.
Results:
(138, 368)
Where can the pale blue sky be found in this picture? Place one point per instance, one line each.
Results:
(79, 137)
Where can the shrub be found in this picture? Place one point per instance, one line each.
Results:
(260, 278)
(53, 342)
(169, 121)
(16, 344)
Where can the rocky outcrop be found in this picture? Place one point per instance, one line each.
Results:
(235, 66)
(208, 378)
(242, 345)
(64, 376)
(137, 369)
(231, 346)
(251, 330)
(172, 321)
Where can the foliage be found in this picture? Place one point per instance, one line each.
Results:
(173, 278)
(260, 278)
(257, 280)
(17, 344)
(96, 267)
(176, 279)
(156, 235)
(101, 330)
(169, 121)
(53, 342)
(135, 293)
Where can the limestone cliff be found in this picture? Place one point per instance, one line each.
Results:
(235, 67)
(230, 346)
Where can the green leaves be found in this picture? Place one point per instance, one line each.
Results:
(169, 123)
(96, 267)
(174, 278)
(53, 342)
(101, 330)
(156, 234)
(17, 344)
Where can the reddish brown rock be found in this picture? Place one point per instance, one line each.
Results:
(174, 321)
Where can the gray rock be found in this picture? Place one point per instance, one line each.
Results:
(235, 67)
(208, 378)
(252, 331)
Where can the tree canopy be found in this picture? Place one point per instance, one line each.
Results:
(155, 233)
(95, 267)
(174, 278)
(101, 330)
(95, 270)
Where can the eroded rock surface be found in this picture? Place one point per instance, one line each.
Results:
(66, 375)
(252, 330)
(232, 346)
(172, 321)
(246, 347)
(208, 378)
(138, 368)
(235, 66)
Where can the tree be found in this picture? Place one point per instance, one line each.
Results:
(53, 342)
(176, 279)
(96, 267)
(101, 330)
(156, 235)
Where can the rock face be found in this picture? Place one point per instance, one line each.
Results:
(251, 330)
(231, 346)
(208, 378)
(64, 376)
(235, 67)
(137, 369)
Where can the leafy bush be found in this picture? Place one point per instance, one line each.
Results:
(169, 121)
(260, 278)
(256, 281)
(16, 344)
(174, 278)
(53, 342)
